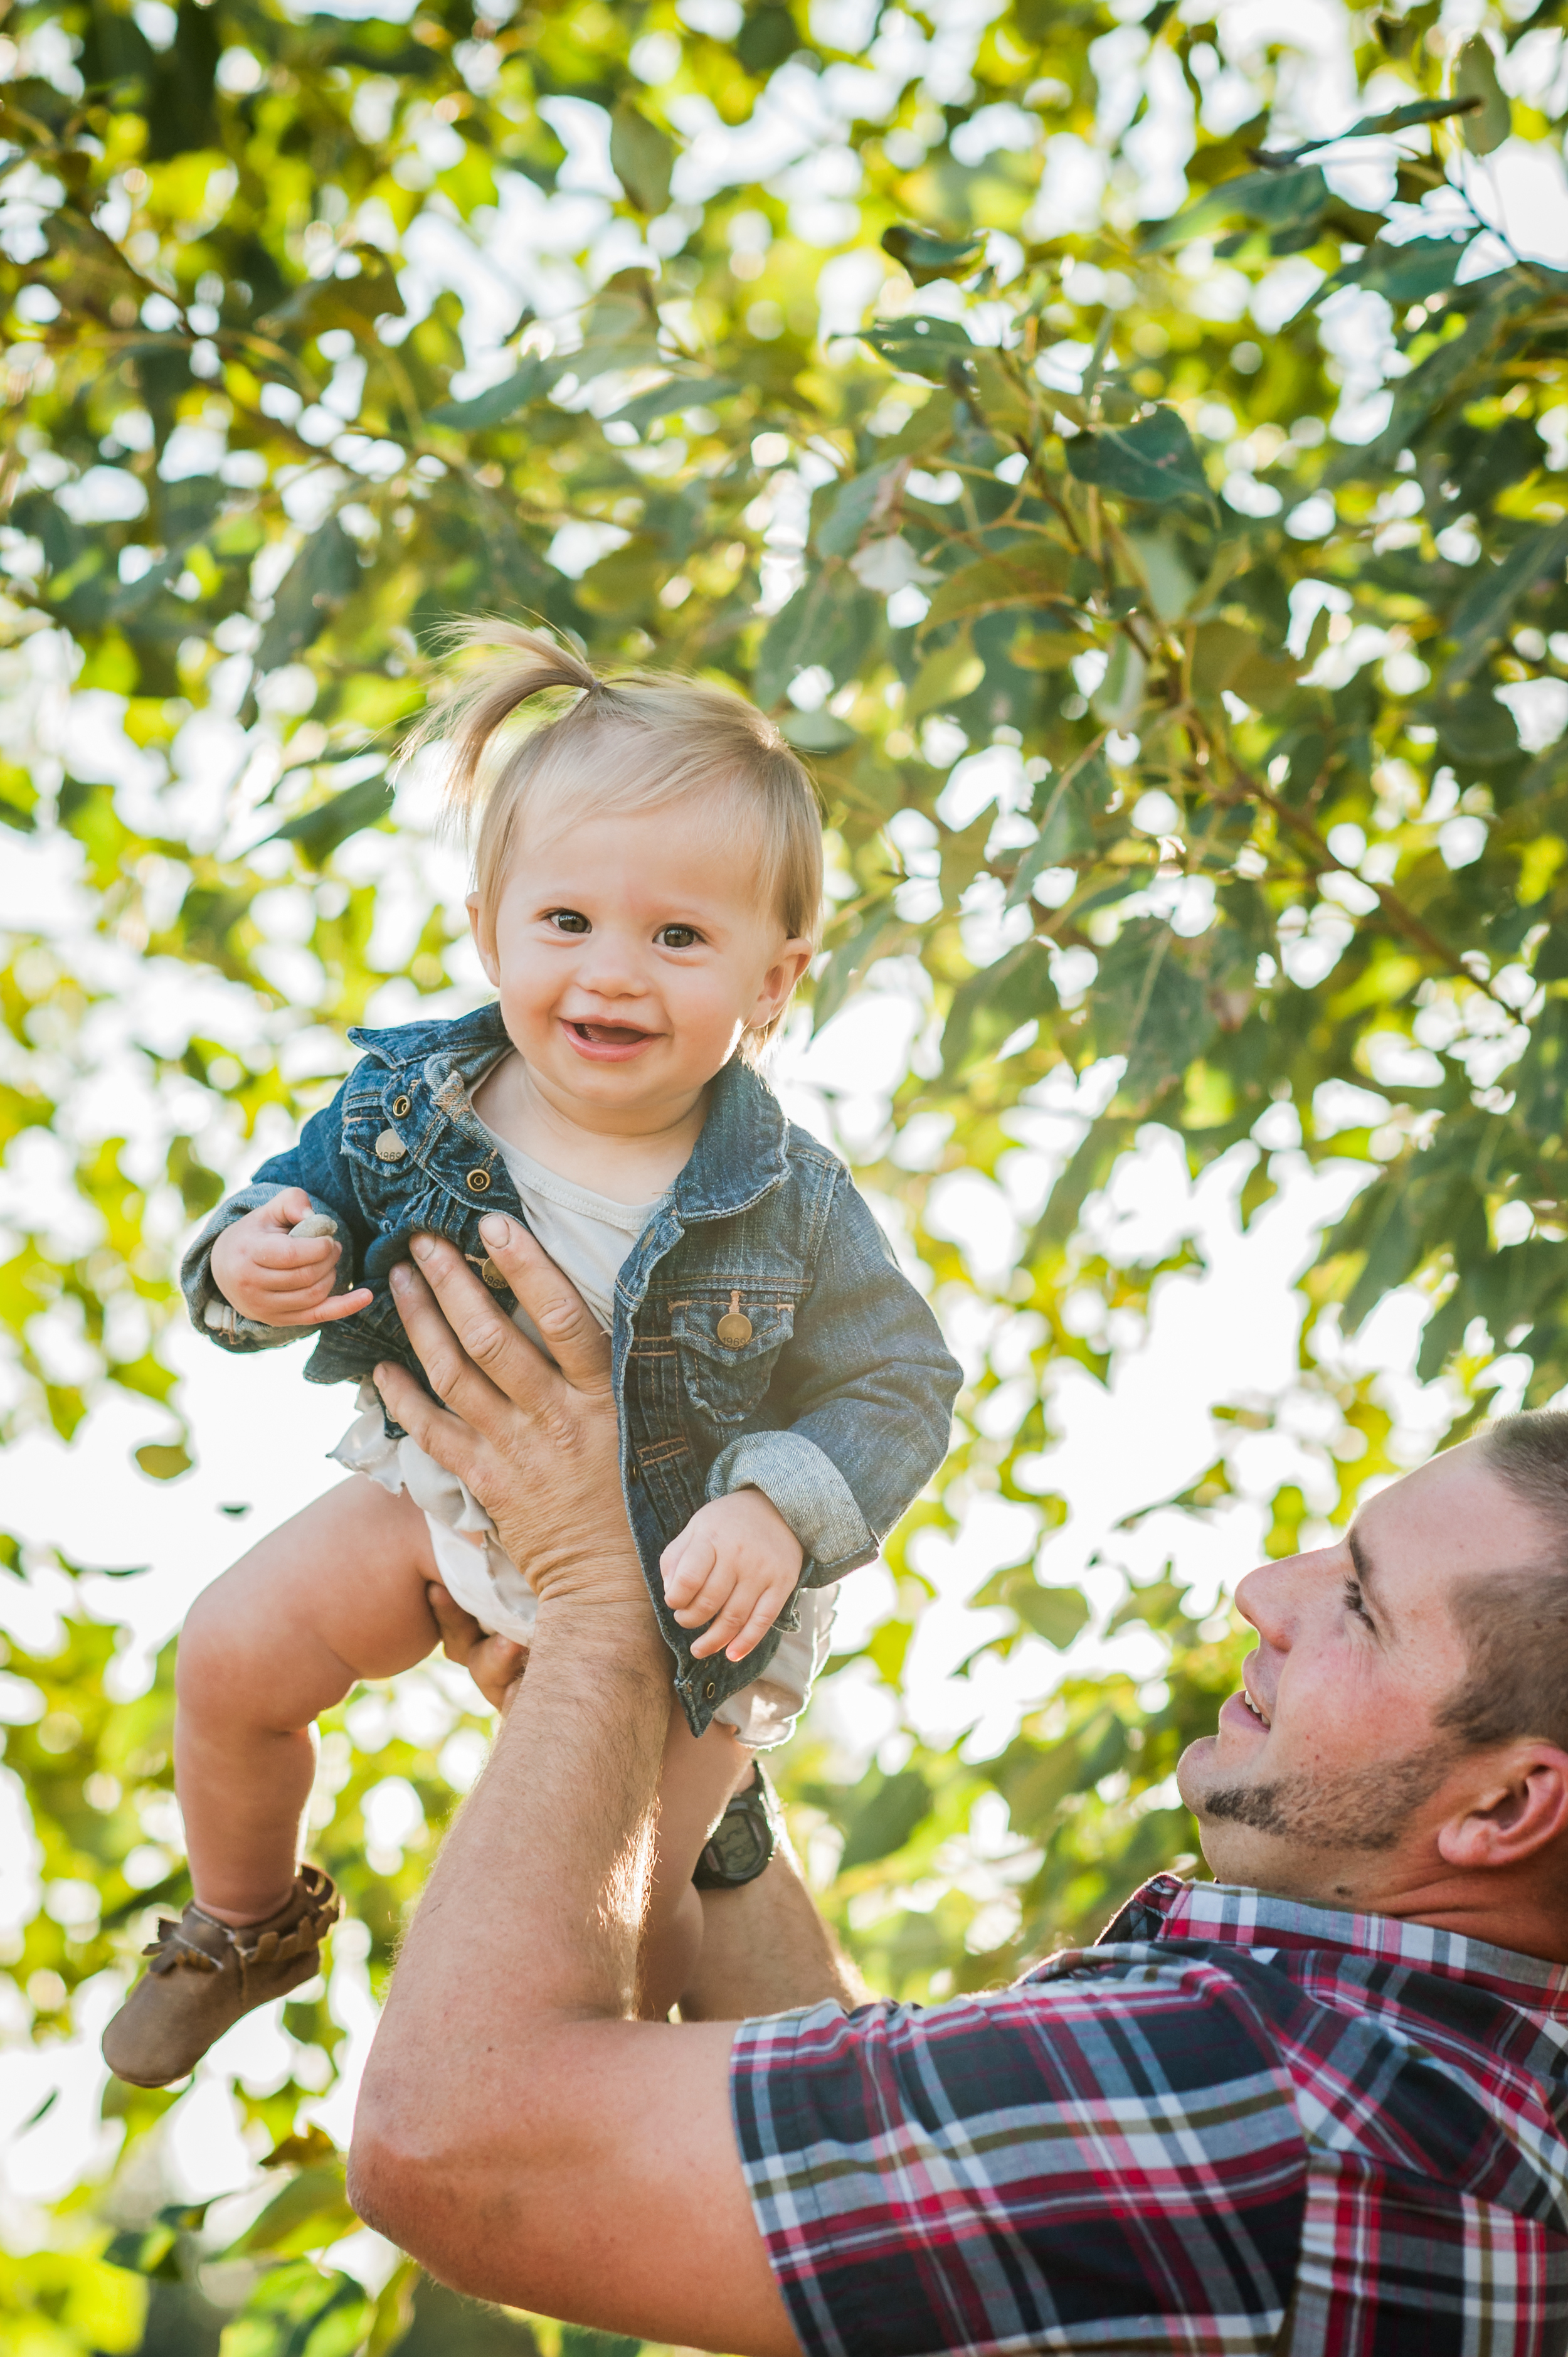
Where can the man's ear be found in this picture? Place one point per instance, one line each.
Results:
(778, 982)
(484, 940)
(1517, 1806)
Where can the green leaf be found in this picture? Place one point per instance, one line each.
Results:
(1160, 1011)
(1401, 273)
(919, 347)
(320, 831)
(817, 732)
(1278, 200)
(1035, 574)
(499, 401)
(311, 2211)
(1119, 698)
(880, 929)
(679, 392)
(642, 157)
(994, 1002)
(163, 1460)
(1475, 77)
(852, 512)
(1539, 1079)
(1482, 614)
(1057, 1614)
(323, 573)
(888, 1820)
(944, 679)
(1153, 461)
(926, 255)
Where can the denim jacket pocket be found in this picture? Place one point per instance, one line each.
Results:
(726, 1371)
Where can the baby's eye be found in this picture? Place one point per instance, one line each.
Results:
(679, 937)
(568, 921)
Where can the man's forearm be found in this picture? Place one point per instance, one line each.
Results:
(532, 1915)
(766, 1949)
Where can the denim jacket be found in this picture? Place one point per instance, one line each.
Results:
(837, 1404)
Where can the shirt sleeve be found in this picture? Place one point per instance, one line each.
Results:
(317, 1166)
(1112, 2161)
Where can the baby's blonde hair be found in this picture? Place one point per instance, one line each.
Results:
(620, 742)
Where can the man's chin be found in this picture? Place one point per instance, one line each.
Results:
(1195, 1772)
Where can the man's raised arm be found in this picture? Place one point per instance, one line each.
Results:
(517, 2132)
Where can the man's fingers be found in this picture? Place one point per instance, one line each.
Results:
(474, 1357)
(578, 1342)
(447, 1438)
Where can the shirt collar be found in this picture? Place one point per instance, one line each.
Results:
(1230, 1914)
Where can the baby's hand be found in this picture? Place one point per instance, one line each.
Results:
(278, 1279)
(736, 1563)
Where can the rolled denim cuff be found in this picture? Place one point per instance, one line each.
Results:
(219, 1319)
(809, 1490)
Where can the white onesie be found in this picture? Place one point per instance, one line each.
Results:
(588, 1236)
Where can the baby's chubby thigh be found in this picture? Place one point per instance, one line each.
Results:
(336, 1594)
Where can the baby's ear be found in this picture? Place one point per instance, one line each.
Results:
(484, 938)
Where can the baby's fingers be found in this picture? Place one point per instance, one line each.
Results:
(344, 1304)
(687, 1565)
(293, 1254)
(730, 1616)
(759, 1620)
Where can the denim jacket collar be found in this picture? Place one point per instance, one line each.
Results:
(740, 1156)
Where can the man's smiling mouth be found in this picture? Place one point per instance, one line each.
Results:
(1260, 1715)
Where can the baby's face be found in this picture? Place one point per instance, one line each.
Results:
(630, 954)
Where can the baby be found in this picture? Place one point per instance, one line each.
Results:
(648, 888)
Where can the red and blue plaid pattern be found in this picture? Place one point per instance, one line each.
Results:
(1236, 2125)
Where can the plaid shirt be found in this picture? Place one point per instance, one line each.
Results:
(1236, 2125)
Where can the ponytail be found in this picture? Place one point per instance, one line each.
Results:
(522, 664)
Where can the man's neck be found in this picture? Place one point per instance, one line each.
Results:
(1468, 1906)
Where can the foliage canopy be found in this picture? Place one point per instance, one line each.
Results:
(1171, 591)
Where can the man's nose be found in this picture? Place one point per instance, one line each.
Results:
(1273, 1596)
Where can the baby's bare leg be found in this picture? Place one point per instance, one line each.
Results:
(699, 1775)
(336, 1594)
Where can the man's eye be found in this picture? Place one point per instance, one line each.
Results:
(680, 937)
(1354, 1603)
(568, 921)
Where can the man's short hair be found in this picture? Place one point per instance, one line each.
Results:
(1514, 1620)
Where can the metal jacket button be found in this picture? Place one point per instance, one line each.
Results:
(479, 1182)
(492, 1276)
(389, 1146)
(734, 1328)
(400, 1106)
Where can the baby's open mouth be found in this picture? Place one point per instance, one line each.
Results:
(609, 1035)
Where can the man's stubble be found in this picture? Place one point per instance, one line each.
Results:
(1363, 1809)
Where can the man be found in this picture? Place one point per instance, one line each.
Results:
(1320, 2105)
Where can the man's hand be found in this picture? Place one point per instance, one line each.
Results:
(537, 1445)
(735, 1565)
(279, 1279)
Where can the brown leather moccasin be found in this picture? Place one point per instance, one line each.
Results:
(203, 1976)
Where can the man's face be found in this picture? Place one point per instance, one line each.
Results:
(1322, 1777)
